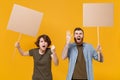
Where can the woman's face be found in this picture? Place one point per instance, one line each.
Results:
(42, 44)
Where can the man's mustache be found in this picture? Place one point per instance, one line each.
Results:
(78, 38)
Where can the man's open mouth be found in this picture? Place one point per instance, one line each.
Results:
(78, 38)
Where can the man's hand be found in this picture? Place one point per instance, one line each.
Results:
(68, 37)
(99, 49)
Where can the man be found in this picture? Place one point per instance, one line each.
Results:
(80, 56)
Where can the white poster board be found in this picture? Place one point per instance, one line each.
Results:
(98, 14)
(24, 20)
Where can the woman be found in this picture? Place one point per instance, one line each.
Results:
(42, 57)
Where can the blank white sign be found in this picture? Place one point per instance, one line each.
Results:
(98, 14)
(24, 20)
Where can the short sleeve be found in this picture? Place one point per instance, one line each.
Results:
(31, 51)
(49, 51)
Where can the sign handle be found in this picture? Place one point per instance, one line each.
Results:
(19, 37)
(98, 41)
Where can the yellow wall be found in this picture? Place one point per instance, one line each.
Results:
(59, 16)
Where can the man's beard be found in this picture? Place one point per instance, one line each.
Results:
(81, 41)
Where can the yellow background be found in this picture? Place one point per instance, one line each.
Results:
(59, 16)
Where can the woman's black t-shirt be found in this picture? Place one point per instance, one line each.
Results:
(42, 64)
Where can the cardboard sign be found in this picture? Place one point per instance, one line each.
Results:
(24, 20)
(98, 14)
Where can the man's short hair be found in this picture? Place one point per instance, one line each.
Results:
(78, 28)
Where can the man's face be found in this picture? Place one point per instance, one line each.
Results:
(78, 36)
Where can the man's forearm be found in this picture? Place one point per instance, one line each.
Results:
(65, 51)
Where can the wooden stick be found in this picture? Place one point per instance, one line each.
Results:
(98, 38)
(98, 35)
(19, 37)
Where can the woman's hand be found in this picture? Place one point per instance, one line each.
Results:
(17, 45)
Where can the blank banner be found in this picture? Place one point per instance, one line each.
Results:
(98, 14)
(24, 20)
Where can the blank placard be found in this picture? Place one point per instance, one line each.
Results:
(98, 14)
(24, 20)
